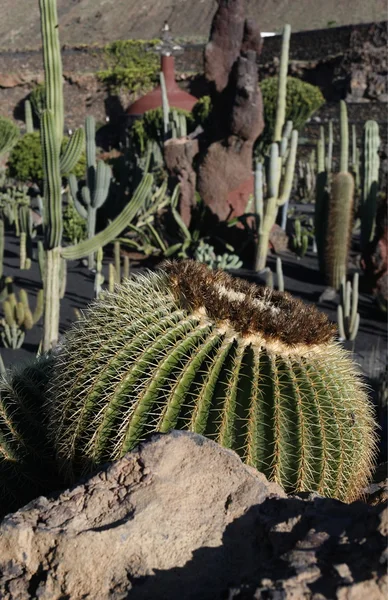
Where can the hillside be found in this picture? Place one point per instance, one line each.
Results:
(100, 21)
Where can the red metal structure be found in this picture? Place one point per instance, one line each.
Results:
(177, 97)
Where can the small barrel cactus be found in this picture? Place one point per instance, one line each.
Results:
(189, 348)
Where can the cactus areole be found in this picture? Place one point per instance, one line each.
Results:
(251, 368)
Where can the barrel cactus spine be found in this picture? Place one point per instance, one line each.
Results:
(190, 348)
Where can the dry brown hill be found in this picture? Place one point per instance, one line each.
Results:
(100, 21)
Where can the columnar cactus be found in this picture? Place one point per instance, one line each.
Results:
(339, 228)
(190, 348)
(281, 165)
(371, 166)
(98, 179)
(55, 165)
(334, 212)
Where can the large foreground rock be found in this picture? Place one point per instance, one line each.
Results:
(182, 518)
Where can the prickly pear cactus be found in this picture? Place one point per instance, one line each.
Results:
(190, 348)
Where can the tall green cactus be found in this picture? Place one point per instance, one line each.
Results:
(339, 228)
(190, 348)
(55, 165)
(332, 241)
(282, 82)
(98, 179)
(280, 174)
(371, 165)
(281, 165)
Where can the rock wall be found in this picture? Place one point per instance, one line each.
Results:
(345, 62)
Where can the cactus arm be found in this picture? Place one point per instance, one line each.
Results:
(370, 183)
(274, 174)
(353, 314)
(258, 195)
(329, 158)
(290, 168)
(344, 125)
(103, 179)
(321, 150)
(90, 128)
(72, 152)
(52, 65)
(28, 117)
(52, 182)
(113, 229)
(282, 89)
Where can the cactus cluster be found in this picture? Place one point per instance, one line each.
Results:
(280, 166)
(191, 348)
(205, 254)
(91, 196)
(18, 317)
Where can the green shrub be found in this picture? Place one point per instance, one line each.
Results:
(25, 160)
(131, 65)
(303, 99)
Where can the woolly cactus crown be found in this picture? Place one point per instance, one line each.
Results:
(189, 348)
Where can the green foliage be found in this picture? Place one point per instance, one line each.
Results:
(9, 133)
(74, 226)
(25, 160)
(131, 65)
(302, 100)
(188, 348)
(150, 128)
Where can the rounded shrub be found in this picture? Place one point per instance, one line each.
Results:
(130, 65)
(302, 100)
(25, 160)
(189, 348)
